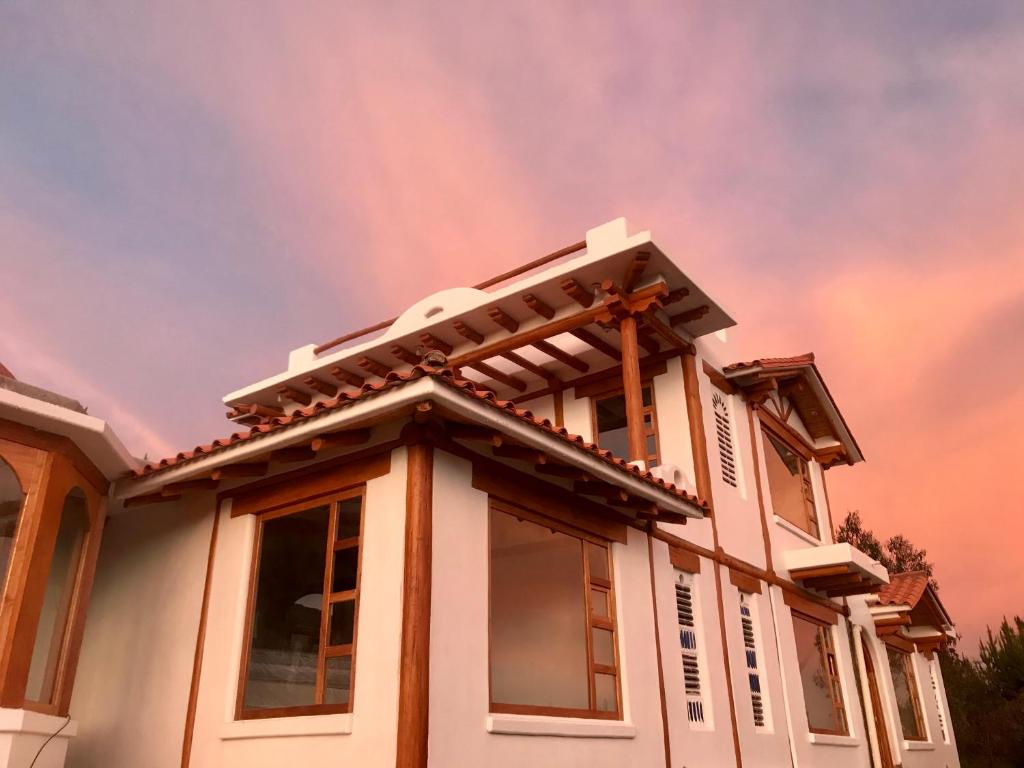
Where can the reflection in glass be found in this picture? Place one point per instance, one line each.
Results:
(813, 648)
(904, 685)
(11, 500)
(339, 680)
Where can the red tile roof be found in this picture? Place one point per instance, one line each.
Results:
(904, 588)
(397, 379)
(773, 362)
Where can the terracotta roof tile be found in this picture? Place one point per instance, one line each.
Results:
(904, 588)
(396, 379)
(773, 362)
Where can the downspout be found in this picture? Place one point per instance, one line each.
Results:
(866, 703)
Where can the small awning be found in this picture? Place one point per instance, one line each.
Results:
(838, 570)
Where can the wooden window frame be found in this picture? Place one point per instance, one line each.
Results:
(328, 599)
(829, 659)
(592, 621)
(48, 467)
(907, 661)
(810, 502)
(651, 460)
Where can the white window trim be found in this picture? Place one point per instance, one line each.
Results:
(571, 727)
(832, 740)
(281, 727)
(796, 531)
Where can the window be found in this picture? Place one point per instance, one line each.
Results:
(686, 612)
(553, 644)
(789, 480)
(723, 428)
(819, 673)
(11, 498)
(750, 647)
(933, 669)
(302, 623)
(901, 664)
(610, 424)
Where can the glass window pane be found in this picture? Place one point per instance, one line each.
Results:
(903, 682)
(817, 685)
(598, 561)
(11, 499)
(346, 567)
(349, 511)
(286, 615)
(604, 692)
(599, 602)
(611, 424)
(648, 398)
(60, 588)
(339, 680)
(604, 648)
(538, 616)
(343, 618)
(786, 483)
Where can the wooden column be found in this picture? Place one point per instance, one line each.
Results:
(414, 663)
(632, 389)
(698, 440)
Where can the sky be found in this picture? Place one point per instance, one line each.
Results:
(189, 190)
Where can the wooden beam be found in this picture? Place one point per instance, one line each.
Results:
(293, 454)
(345, 439)
(253, 469)
(373, 366)
(635, 270)
(802, 574)
(673, 338)
(689, 315)
(519, 453)
(538, 306)
(146, 499)
(198, 484)
(563, 471)
(632, 389)
(507, 379)
(577, 292)
(321, 386)
(562, 356)
(673, 296)
(458, 431)
(698, 438)
(431, 341)
(597, 343)
(533, 368)
(468, 332)
(286, 392)
(645, 337)
(405, 355)
(502, 318)
(599, 488)
(258, 410)
(352, 379)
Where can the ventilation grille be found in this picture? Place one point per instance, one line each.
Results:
(753, 672)
(723, 427)
(688, 648)
(938, 702)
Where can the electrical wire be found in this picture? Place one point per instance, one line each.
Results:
(48, 740)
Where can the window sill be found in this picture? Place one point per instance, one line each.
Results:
(35, 723)
(277, 727)
(799, 532)
(572, 727)
(918, 746)
(833, 740)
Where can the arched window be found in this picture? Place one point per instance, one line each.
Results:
(12, 499)
(60, 589)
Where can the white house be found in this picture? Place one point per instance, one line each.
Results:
(545, 521)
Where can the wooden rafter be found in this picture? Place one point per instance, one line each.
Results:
(666, 332)
(321, 386)
(293, 454)
(599, 488)
(403, 354)
(197, 484)
(504, 319)
(250, 469)
(345, 439)
(635, 270)
(563, 471)
(677, 295)
(577, 292)
(507, 379)
(375, 367)
(561, 355)
(597, 343)
(286, 392)
(540, 307)
(468, 332)
(433, 342)
(532, 367)
(645, 338)
(352, 379)
(150, 498)
(459, 431)
(519, 453)
(689, 315)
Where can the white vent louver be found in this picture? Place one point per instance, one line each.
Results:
(938, 702)
(753, 670)
(723, 428)
(685, 611)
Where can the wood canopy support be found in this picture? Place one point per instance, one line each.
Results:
(198, 484)
(375, 367)
(840, 580)
(252, 469)
(539, 306)
(405, 355)
(504, 319)
(321, 386)
(468, 332)
(433, 342)
(414, 661)
(296, 395)
(352, 379)
(504, 378)
(561, 355)
(146, 499)
(533, 368)
(698, 438)
(596, 342)
(293, 454)
(345, 439)
(520, 453)
(666, 332)
(459, 431)
(645, 337)
(577, 292)
(635, 270)
(632, 389)
(689, 315)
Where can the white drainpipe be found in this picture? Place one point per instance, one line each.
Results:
(862, 670)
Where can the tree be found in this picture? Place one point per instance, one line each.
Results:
(897, 554)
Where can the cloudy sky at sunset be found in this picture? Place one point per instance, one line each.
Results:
(189, 190)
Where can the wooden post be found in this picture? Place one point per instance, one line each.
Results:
(414, 663)
(698, 440)
(633, 390)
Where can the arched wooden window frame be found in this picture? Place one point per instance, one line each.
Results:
(48, 468)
